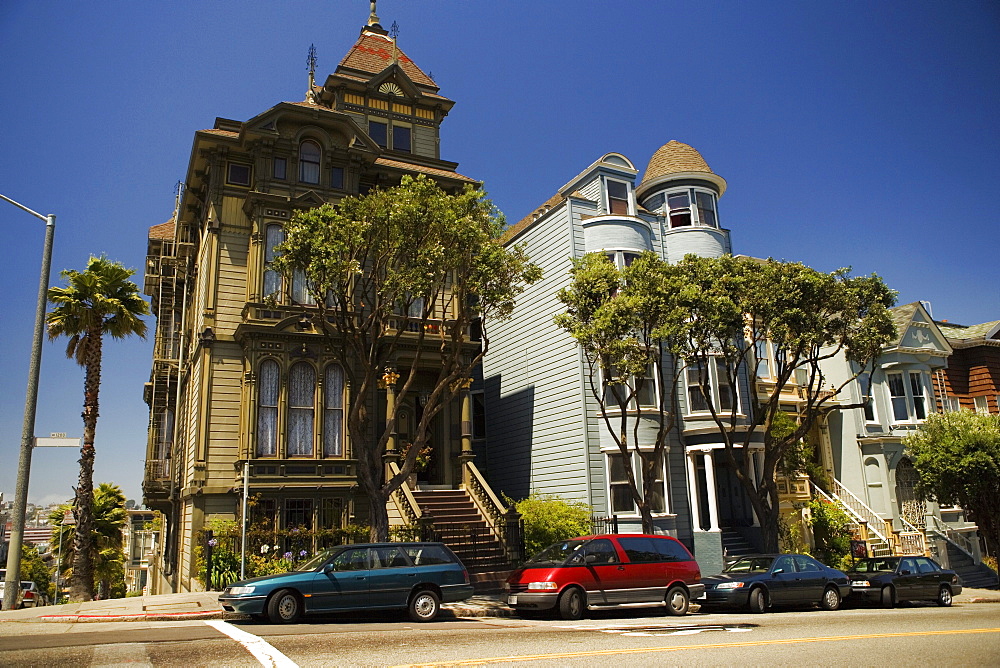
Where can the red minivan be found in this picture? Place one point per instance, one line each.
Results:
(604, 572)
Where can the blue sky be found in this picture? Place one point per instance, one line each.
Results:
(851, 134)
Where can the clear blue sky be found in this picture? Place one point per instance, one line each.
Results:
(851, 134)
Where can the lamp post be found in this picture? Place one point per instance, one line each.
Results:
(13, 580)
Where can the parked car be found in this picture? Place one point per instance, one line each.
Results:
(890, 580)
(417, 577)
(603, 572)
(3, 586)
(32, 596)
(764, 581)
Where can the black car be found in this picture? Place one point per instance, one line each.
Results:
(762, 581)
(889, 580)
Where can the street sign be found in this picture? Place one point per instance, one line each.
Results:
(57, 442)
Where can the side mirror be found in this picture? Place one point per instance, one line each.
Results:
(777, 571)
(327, 568)
(591, 558)
(904, 572)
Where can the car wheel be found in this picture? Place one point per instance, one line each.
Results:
(831, 599)
(758, 600)
(424, 606)
(944, 596)
(888, 598)
(677, 601)
(571, 604)
(285, 607)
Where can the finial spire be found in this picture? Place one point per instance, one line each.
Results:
(311, 64)
(373, 17)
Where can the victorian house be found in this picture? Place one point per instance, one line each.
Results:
(246, 401)
(972, 378)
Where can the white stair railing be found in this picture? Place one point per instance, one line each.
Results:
(880, 545)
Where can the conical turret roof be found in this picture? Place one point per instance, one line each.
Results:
(677, 158)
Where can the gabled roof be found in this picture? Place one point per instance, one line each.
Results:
(373, 52)
(962, 336)
(915, 330)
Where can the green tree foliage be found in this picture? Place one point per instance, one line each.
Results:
(106, 540)
(34, 569)
(413, 250)
(958, 458)
(626, 321)
(97, 302)
(831, 529)
(548, 519)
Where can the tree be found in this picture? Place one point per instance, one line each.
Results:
(33, 569)
(735, 308)
(107, 540)
(626, 321)
(958, 458)
(99, 301)
(398, 277)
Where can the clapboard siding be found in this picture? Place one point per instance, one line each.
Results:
(425, 141)
(224, 425)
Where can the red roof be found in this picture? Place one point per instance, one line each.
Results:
(373, 53)
(162, 231)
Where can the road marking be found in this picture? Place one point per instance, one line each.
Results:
(267, 655)
(721, 645)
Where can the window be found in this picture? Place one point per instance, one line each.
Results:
(273, 235)
(300, 289)
(598, 552)
(907, 395)
(298, 513)
(279, 167)
(762, 353)
(679, 204)
(389, 557)
(401, 138)
(706, 208)
(333, 411)
(267, 409)
(264, 513)
(950, 404)
(691, 207)
(708, 384)
(618, 197)
(864, 385)
(379, 132)
(164, 433)
(238, 174)
(331, 512)
(640, 549)
(982, 404)
(309, 159)
(620, 494)
(301, 399)
(337, 177)
(615, 393)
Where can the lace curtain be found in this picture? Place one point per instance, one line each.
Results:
(301, 398)
(333, 412)
(267, 409)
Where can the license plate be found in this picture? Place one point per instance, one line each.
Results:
(860, 583)
(512, 599)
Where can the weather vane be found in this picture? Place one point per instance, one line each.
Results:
(311, 64)
(394, 30)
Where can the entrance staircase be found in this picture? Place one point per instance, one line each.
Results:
(735, 545)
(452, 517)
(978, 576)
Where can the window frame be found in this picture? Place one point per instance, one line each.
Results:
(339, 450)
(234, 164)
(283, 162)
(907, 400)
(303, 163)
(268, 257)
(714, 389)
(635, 462)
(305, 449)
(629, 199)
(272, 450)
(693, 208)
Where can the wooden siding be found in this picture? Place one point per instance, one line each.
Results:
(232, 275)
(425, 141)
(592, 190)
(536, 430)
(224, 423)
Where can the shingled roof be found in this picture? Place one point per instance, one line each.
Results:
(672, 158)
(163, 231)
(373, 52)
(956, 332)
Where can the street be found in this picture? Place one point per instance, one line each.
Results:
(967, 635)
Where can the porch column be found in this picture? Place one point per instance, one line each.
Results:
(466, 455)
(692, 474)
(388, 381)
(713, 504)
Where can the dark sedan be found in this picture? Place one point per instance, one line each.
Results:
(764, 581)
(889, 580)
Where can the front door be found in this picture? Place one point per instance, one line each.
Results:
(343, 583)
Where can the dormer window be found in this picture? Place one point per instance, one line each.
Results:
(618, 197)
(309, 159)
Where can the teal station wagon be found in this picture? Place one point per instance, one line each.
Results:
(417, 577)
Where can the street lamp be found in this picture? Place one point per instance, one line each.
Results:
(13, 580)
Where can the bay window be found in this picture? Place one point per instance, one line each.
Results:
(301, 400)
(907, 396)
(708, 383)
(309, 161)
(644, 387)
(267, 408)
(619, 493)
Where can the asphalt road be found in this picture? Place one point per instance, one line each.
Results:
(964, 635)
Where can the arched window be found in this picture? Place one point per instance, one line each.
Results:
(273, 235)
(301, 401)
(267, 409)
(333, 411)
(309, 159)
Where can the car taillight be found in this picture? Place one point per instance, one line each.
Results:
(465, 576)
(954, 579)
(29, 594)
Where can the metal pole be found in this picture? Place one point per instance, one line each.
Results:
(13, 580)
(243, 530)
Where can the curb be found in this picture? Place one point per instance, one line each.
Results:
(139, 617)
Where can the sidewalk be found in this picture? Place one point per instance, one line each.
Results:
(205, 605)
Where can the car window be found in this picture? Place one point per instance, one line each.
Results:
(785, 564)
(428, 555)
(925, 566)
(751, 565)
(355, 559)
(908, 565)
(807, 565)
(598, 552)
(640, 549)
(389, 557)
(672, 550)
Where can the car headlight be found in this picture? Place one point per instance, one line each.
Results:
(730, 585)
(239, 591)
(545, 586)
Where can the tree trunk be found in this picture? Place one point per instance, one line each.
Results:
(82, 587)
(379, 518)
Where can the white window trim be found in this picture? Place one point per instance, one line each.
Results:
(633, 405)
(713, 380)
(636, 470)
(630, 197)
(692, 206)
(911, 414)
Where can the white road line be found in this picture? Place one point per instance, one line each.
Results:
(267, 655)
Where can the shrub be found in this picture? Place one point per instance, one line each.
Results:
(548, 519)
(831, 528)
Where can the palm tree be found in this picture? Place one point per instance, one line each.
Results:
(97, 301)
(109, 518)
